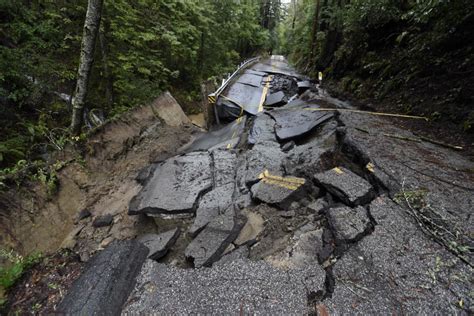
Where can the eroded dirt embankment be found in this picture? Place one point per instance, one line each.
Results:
(98, 180)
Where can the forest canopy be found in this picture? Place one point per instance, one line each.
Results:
(143, 47)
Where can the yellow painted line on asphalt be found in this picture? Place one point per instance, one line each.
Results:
(264, 93)
(367, 112)
(291, 183)
(338, 170)
(370, 166)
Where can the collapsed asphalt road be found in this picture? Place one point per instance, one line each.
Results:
(294, 211)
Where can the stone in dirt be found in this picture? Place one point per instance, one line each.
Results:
(294, 123)
(106, 282)
(212, 241)
(346, 185)
(174, 186)
(348, 224)
(211, 205)
(159, 244)
(281, 191)
(103, 220)
(276, 99)
(237, 287)
(83, 214)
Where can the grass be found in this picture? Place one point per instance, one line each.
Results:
(16, 266)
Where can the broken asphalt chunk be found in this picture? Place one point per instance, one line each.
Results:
(174, 186)
(276, 99)
(347, 186)
(159, 244)
(303, 86)
(348, 224)
(273, 189)
(212, 241)
(106, 282)
(263, 129)
(292, 123)
(211, 205)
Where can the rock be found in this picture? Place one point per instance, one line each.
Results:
(102, 221)
(276, 99)
(294, 123)
(348, 224)
(346, 185)
(237, 287)
(288, 146)
(212, 241)
(159, 244)
(211, 205)
(169, 110)
(85, 213)
(263, 129)
(278, 190)
(106, 281)
(251, 230)
(174, 186)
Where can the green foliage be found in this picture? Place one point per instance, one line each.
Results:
(144, 47)
(15, 267)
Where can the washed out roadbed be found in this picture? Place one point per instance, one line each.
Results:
(289, 211)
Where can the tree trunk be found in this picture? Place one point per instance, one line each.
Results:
(91, 28)
(314, 34)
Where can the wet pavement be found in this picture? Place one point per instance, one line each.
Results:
(291, 211)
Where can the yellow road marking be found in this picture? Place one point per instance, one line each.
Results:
(291, 183)
(338, 170)
(370, 166)
(264, 94)
(368, 112)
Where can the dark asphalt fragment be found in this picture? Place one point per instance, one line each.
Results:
(211, 205)
(278, 190)
(294, 123)
(106, 282)
(346, 185)
(263, 129)
(102, 221)
(159, 244)
(175, 186)
(303, 86)
(276, 99)
(212, 241)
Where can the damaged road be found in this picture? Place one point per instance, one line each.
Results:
(292, 211)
